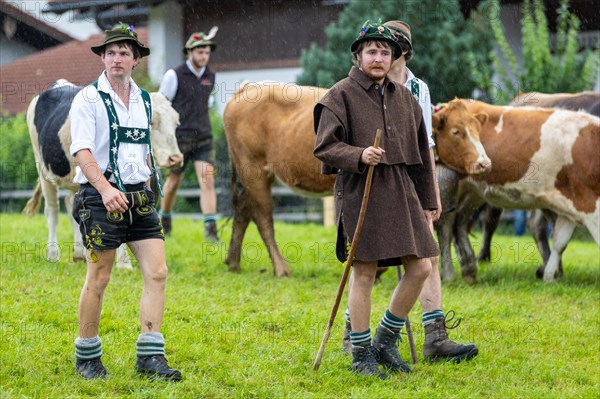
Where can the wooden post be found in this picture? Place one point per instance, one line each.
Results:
(328, 211)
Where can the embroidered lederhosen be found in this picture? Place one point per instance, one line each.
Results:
(120, 134)
(101, 229)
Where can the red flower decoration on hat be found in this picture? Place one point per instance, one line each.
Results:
(196, 37)
(438, 107)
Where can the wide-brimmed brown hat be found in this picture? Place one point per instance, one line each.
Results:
(377, 31)
(401, 30)
(201, 39)
(118, 34)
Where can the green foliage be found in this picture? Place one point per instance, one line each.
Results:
(251, 335)
(441, 36)
(545, 67)
(141, 78)
(17, 163)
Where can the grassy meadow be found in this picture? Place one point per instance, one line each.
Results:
(252, 335)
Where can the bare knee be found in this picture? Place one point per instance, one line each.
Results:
(434, 265)
(418, 269)
(158, 275)
(98, 281)
(364, 272)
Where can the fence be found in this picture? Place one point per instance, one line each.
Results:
(13, 201)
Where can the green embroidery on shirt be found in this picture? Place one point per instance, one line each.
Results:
(415, 89)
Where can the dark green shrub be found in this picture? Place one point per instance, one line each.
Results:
(17, 163)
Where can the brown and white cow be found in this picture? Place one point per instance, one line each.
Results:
(269, 130)
(587, 101)
(542, 158)
(50, 133)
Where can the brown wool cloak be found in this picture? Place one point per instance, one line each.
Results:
(346, 120)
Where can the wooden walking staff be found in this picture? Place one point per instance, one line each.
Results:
(411, 340)
(350, 261)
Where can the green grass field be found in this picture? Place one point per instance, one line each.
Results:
(251, 335)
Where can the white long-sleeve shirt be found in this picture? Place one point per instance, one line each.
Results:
(90, 130)
(424, 99)
(169, 83)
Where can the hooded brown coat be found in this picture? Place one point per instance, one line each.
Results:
(346, 120)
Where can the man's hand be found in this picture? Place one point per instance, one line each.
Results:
(114, 200)
(371, 155)
(436, 214)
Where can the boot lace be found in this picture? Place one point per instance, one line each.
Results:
(162, 361)
(368, 361)
(97, 367)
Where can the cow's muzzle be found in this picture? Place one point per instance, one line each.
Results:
(175, 161)
(482, 166)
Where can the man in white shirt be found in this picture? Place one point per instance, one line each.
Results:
(188, 86)
(437, 345)
(110, 129)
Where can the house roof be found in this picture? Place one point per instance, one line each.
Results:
(35, 32)
(25, 78)
(106, 13)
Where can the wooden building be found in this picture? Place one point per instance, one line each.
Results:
(261, 39)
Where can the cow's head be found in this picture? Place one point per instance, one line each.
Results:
(164, 142)
(456, 132)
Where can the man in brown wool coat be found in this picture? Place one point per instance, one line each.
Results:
(395, 229)
(437, 346)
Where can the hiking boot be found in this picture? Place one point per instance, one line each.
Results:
(388, 355)
(346, 344)
(156, 366)
(166, 224)
(438, 346)
(364, 361)
(210, 232)
(91, 368)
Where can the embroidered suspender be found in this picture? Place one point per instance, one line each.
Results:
(120, 134)
(414, 89)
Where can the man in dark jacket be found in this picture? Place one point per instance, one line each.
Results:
(395, 229)
(188, 87)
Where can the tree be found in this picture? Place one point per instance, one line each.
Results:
(545, 67)
(443, 40)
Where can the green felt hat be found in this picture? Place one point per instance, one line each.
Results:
(377, 31)
(120, 33)
(201, 39)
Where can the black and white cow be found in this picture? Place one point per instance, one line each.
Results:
(50, 132)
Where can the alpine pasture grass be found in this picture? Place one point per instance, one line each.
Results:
(252, 335)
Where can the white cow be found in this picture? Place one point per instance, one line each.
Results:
(50, 132)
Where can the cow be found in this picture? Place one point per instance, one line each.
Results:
(50, 134)
(270, 135)
(543, 158)
(469, 204)
(588, 101)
